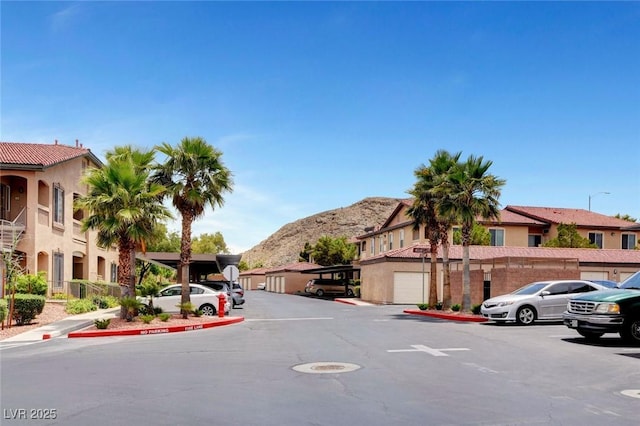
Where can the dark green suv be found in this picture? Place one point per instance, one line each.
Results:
(607, 311)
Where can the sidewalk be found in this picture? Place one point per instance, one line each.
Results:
(353, 301)
(63, 327)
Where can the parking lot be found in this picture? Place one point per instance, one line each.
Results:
(300, 360)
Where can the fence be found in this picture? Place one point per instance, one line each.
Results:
(83, 289)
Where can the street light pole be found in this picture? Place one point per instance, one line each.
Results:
(593, 195)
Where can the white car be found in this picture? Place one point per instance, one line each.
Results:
(261, 286)
(543, 300)
(202, 298)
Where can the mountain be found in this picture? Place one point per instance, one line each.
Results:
(284, 245)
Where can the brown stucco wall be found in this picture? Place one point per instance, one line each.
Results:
(506, 280)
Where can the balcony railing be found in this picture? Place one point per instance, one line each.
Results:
(11, 231)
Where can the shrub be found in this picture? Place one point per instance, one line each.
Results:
(164, 317)
(197, 312)
(100, 302)
(26, 307)
(102, 324)
(131, 305)
(356, 291)
(79, 306)
(3, 309)
(147, 318)
(32, 284)
(476, 309)
(423, 306)
(456, 307)
(439, 306)
(62, 296)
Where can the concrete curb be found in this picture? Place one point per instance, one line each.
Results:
(452, 316)
(155, 330)
(355, 302)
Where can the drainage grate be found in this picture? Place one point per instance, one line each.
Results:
(326, 367)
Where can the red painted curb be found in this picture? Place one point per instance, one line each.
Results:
(46, 336)
(444, 315)
(156, 330)
(346, 302)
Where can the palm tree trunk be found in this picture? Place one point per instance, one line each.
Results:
(433, 278)
(185, 260)
(446, 284)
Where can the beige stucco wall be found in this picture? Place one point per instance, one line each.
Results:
(42, 238)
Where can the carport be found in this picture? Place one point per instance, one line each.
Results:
(344, 273)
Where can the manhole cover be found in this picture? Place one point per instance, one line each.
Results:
(633, 393)
(326, 367)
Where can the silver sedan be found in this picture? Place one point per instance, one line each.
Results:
(542, 300)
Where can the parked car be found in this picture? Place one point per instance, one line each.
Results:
(542, 300)
(261, 286)
(612, 311)
(606, 283)
(236, 295)
(203, 298)
(321, 286)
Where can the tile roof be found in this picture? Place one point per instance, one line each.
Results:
(18, 155)
(293, 267)
(584, 255)
(512, 218)
(580, 217)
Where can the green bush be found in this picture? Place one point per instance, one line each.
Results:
(475, 309)
(356, 291)
(62, 296)
(439, 306)
(146, 318)
(197, 312)
(423, 306)
(102, 324)
(32, 284)
(164, 317)
(456, 307)
(3, 309)
(105, 302)
(26, 307)
(80, 306)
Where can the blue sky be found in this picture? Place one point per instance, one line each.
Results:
(317, 105)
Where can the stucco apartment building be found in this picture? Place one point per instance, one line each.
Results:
(392, 261)
(38, 184)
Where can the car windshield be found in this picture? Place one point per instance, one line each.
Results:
(532, 288)
(633, 282)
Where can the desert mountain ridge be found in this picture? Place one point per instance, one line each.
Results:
(284, 246)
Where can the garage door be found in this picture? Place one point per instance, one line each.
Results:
(407, 288)
(594, 276)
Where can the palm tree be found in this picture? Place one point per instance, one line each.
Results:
(123, 206)
(195, 177)
(425, 211)
(441, 165)
(469, 192)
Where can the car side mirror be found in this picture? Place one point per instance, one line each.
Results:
(545, 293)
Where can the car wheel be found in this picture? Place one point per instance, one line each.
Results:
(631, 331)
(208, 310)
(320, 293)
(591, 336)
(526, 315)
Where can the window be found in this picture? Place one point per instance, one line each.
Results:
(416, 234)
(373, 245)
(560, 288)
(390, 240)
(497, 237)
(401, 238)
(628, 241)
(381, 244)
(5, 201)
(596, 238)
(363, 248)
(58, 270)
(581, 288)
(58, 204)
(535, 240)
(114, 273)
